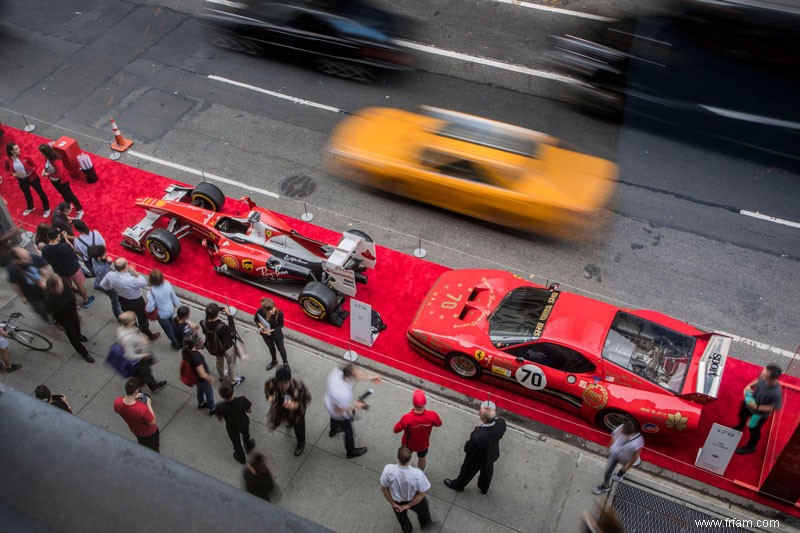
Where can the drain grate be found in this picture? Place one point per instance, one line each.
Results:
(644, 512)
(298, 186)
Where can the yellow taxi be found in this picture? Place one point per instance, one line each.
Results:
(489, 170)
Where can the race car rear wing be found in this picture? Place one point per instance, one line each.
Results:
(351, 251)
(710, 369)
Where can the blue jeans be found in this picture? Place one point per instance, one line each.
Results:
(166, 325)
(115, 307)
(205, 394)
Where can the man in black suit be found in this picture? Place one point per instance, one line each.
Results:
(482, 450)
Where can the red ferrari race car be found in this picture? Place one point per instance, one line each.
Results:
(603, 363)
(259, 248)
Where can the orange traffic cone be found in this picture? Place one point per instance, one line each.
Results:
(120, 143)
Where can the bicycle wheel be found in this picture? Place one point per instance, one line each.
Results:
(32, 340)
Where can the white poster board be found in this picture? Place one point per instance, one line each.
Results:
(361, 323)
(716, 453)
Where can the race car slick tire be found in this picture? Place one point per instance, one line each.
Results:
(611, 418)
(464, 365)
(208, 196)
(163, 245)
(318, 300)
(359, 233)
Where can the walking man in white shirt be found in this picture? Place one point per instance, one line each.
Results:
(341, 406)
(405, 487)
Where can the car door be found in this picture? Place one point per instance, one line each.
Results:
(452, 182)
(552, 369)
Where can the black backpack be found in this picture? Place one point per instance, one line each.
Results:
(214, 343)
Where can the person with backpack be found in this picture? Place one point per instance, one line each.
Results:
(84, 241)
(220, 340)
(101, 265)
(194, 372)
(235, 410)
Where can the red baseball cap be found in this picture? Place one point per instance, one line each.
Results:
(419, 398)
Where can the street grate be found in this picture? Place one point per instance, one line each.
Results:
(644, 512)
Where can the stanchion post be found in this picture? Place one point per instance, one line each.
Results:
(420, 252)
(350, 355)
(28, 126)
(306, 216)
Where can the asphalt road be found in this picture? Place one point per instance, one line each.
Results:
(674, 241)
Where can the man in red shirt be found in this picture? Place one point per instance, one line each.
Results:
(416, 426)
(136, 410)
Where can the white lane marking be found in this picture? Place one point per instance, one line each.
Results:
(759, 345)
(553, 10)
(196, 172)
(761, 216)
(488, 62)
(276, 95)
(228, 3)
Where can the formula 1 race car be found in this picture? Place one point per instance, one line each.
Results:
(260, 248)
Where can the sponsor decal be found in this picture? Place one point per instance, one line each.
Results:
(502, 371)
(595, 395)
(712, 370)
(160, 203)
(677, 421)
(230, 261)
(531, 377)
(582, 384)
(571, 379)
(366, 254)
(650, 428)
(480, 355)
(294, 259)
(247, 264)
(537, 331)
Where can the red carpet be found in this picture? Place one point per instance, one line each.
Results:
(395, 288)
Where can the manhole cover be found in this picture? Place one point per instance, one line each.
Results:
(298, 186)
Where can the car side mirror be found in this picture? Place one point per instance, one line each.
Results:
(273, 264)
(520, 359)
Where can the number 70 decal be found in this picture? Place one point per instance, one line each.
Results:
(451, 302)
(531, 377)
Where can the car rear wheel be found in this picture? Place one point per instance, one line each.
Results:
(611, 418)
(359, 233)
(318, 300)
(464, 365)
(208, 196)
(163, 245)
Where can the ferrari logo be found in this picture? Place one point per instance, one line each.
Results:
(677, 421)
(247, 264)
(480, 355)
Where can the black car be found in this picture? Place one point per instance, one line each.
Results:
(350, 39)
(726, 68)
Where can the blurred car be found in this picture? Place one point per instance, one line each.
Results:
(605, 364)
(725, 68)
(349, 39)
(489, 170)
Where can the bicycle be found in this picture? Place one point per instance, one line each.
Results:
(32, 340)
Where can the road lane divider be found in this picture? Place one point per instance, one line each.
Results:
(556, 10)
(277, 94)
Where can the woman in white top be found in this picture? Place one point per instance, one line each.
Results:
(24, 170)
(163, 299)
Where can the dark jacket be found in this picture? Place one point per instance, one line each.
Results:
(483, 446)
(275, 323)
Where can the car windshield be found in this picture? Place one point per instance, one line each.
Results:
(649, 350)
(521, 316)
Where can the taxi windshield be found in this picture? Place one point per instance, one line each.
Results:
(521, 316)
(649, 350)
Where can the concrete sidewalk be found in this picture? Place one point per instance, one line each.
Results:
(540, 483)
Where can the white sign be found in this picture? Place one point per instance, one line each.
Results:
(716, 453)
(361, 322)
